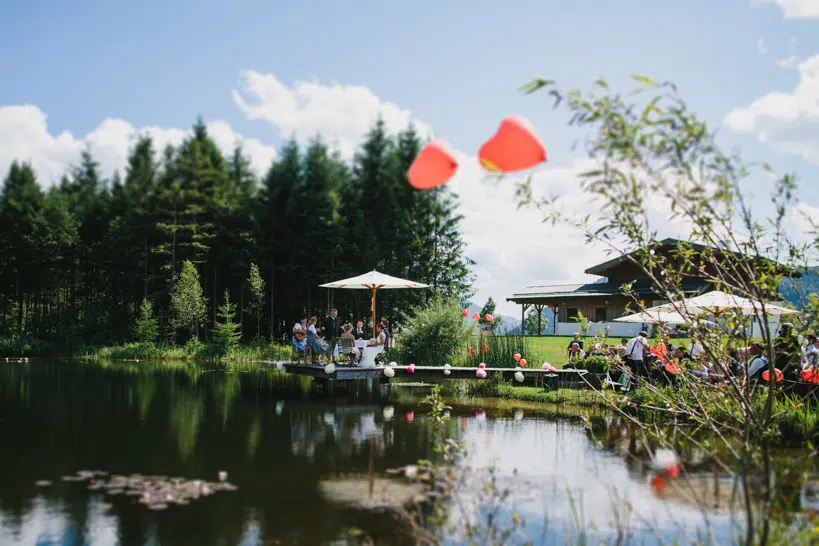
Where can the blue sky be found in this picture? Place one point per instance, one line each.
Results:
(455, 65)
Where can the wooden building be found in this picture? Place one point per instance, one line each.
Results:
(603, 301)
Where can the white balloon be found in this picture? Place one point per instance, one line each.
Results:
(519, 377)
(329, 419)
(447, 366)
(389, 411)
(280, 366)
(389, 372)
(447, 372)
(393, 364)
(330, 369)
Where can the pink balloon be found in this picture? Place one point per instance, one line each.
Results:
(522, 362)
(517, 357)
(514, 147)
(481, 373)
(411, 368)
(489, 317)
(476, 316)
(410, 416)
(435, 165)
(466, 312)
(482, 365)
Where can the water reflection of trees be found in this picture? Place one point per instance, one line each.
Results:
(193, 421)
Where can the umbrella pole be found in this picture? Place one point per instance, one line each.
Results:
(373, 289)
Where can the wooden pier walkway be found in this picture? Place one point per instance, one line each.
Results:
(553, 379)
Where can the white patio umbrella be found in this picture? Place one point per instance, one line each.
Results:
(716, 302)
(374, 281)
(655, 317)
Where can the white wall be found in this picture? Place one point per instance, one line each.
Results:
(615, 329)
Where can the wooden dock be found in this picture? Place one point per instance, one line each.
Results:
(548, 379)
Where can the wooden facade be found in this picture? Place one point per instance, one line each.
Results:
(604, 301)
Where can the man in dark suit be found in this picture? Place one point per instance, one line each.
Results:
(358, 331)
(332, 328)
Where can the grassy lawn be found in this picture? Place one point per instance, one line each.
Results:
(572, 397)
(553, 348)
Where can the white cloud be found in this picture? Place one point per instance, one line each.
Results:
(760, 46)
(787, 119)
(25, 136)
(513, 248)
(788, 63)
(796, 9)
(342, 113)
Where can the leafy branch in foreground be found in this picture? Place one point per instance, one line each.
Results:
(656, 163)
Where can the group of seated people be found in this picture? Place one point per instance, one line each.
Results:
(651, 362)
(307, 338)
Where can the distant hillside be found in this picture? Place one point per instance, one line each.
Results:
(796, 291)
(510, 325)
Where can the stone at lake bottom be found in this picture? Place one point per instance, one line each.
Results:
(356, 492)
(42, 483)
(158, 506)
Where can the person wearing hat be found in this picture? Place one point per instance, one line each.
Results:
(636, 349)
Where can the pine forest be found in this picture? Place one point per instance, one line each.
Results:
(84, 256)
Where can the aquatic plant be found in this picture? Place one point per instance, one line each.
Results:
(153, 492)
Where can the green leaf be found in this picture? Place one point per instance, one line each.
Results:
(535, 85)
(645, 80)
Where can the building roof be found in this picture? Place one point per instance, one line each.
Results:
(600, 269)
(555, 292)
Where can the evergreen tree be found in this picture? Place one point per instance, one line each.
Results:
(256, 304)
(530, 322)
(79, 260)
(187, 301)
(146, 329)
(20, 207)
(279, 233)
(489, 309)
(226, 330)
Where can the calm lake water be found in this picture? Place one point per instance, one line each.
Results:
(279, 438)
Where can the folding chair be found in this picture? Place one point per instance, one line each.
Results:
(345, 350)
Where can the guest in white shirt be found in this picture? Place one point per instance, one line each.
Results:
(696, 350)
(812, 353)
(635, 352)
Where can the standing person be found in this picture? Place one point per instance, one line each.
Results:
(758, 362)
(635, 352)
(811, 351)
(788, 353)
(696, 350)
(386, 326)
(332, 329)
